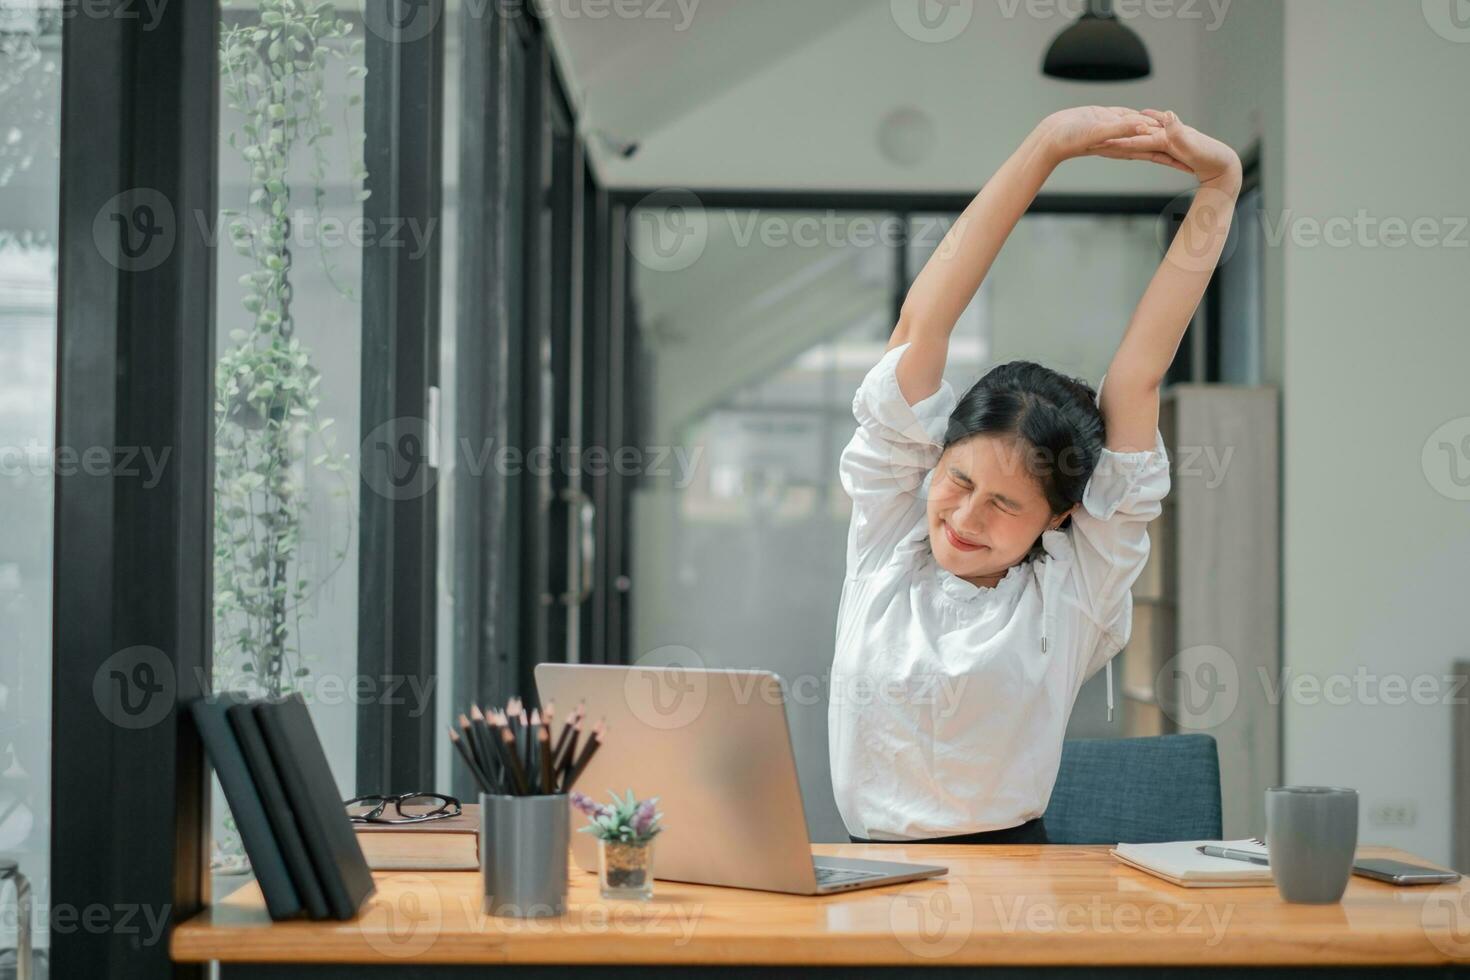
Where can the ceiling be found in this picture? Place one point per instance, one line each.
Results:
(841, 94)
(633, 76)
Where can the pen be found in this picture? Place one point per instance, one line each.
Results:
(1234, 854)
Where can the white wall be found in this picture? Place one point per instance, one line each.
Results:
(1358, 105)
(1375, 347)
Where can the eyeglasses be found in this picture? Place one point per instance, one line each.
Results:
(405, 808)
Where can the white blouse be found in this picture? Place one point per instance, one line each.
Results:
(949, 701)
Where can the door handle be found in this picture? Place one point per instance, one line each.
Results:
(584, 578)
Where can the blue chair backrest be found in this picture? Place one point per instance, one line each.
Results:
(1136, 790)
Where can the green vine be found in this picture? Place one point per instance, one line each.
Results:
(273, 73)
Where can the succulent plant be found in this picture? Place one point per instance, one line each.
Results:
(626, 820)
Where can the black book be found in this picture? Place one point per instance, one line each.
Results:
(277, 809)
(245, 803)
(302, 765)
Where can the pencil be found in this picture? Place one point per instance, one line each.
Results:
(498, 730)
(464, 753)
(564, 763)
(543, 752)
(481, 727)
(533, 740)
(548, 712)
(476, 758)
(561, 740)
(507, 740)
(592, 745)
(511, 719)
(513, 712)
(524, 732)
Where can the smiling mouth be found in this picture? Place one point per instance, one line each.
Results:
(958, 542)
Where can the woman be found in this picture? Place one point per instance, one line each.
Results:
(995, 537)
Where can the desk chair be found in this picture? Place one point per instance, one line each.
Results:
(1136, 790)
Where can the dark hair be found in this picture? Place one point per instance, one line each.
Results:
(1055, 419)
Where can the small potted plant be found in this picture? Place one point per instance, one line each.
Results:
(625, 831)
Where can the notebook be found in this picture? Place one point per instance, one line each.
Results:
(311, 790)
(277, 808)
(246, 805)
(1181, 863)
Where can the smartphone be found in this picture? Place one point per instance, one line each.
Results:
(1402, 873)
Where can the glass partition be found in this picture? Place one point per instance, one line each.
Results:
(757, 336)
(30, 104)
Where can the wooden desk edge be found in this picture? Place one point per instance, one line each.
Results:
(1303, 943)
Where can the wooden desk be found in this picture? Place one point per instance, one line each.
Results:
(1052, 907)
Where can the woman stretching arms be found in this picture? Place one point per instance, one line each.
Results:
(995, 536)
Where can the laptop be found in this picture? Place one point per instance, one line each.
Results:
(714, 747)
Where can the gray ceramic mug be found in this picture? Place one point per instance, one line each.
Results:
(1311, 834)
(523, 854)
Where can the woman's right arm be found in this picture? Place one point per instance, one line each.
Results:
(954, 272)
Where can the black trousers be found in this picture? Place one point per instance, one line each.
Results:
(1030, 832)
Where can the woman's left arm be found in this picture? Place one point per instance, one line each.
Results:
(1130, 396)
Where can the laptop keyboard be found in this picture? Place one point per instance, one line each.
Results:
(834, 876)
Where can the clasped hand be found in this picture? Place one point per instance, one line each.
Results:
(1154, 135)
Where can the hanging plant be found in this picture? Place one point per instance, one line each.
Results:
(268, 432)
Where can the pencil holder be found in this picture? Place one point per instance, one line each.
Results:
(523, 854)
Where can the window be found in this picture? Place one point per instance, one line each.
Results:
(30, 103)
(757, 325)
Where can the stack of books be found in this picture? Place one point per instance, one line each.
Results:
(280, 789)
